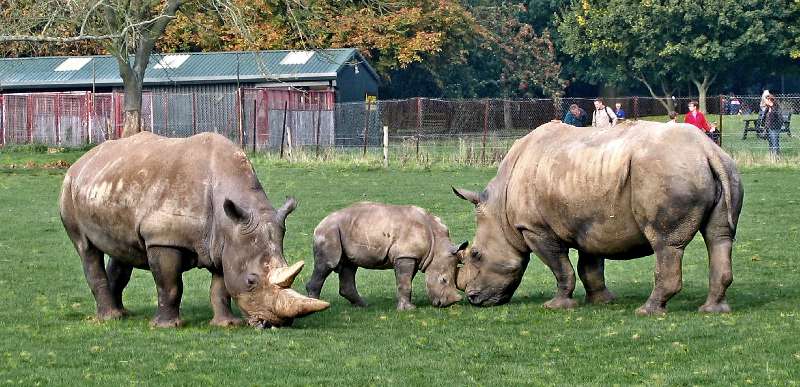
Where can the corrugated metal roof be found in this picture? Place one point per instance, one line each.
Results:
(212, 67)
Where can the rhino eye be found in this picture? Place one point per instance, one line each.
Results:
(443, 280)
(476, 255)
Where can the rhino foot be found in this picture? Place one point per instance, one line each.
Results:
(226, 321)
(405, 306)
(111, 314)
(721, 307)
(601, 297)
(166, 323)
(561, 303)
(647, 310)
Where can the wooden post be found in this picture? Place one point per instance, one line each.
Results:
(319, 121)
(289, 141)
(386, 147)
(366, 128)
(485, 129)
(255, 119)
(636, 107)
(283, 133)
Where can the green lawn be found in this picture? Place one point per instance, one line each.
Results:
(48, 336)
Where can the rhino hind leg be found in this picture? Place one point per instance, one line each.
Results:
(719, 243)
(347, 284)
(119, 274)
(591, 271)
(668, 280)
(166, 266)
(96, 277)
(221, 303)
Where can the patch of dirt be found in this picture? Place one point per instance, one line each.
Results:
(30, 164)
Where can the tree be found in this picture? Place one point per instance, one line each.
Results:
(661, 43)
(127, 30)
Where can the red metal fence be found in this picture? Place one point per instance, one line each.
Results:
(247, 116)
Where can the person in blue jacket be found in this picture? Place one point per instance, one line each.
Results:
(575, 116)
(619, 112)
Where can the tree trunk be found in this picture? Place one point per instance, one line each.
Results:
(666, 100)
(702, 90)
(132, 123)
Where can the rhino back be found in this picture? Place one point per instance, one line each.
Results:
(373, 235)
(148, 190)
(598, 190)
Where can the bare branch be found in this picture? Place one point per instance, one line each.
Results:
(50, 39)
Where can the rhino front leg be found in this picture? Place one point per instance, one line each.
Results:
(591, 271)
(221, 303)
(668, 278)
(167, 268)
(347, 284)
(119, 274)
(404, 271)
(556, 257)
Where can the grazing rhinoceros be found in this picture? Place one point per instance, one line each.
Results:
(384, 236)
(169, 205)
(618, 193)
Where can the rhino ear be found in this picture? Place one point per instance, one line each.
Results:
(236, 213)
(286, 209)
(472, 197)
(456, 249)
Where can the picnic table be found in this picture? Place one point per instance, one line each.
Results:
(755, 125)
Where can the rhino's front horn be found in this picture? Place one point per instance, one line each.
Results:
(291, 304)
(284, 276)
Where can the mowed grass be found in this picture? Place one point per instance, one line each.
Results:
(49, 336)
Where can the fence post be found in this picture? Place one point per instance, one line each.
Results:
(283, 133)
(386, 147)
(29, 114)
(194, 113)
(485, 129)
(56, 112)
(719, 129)
(419, 124)
(255, 120)
(239, 111)
(636, 107)
(366, 128)
(289, 142)
(166, 113)
(319, 121)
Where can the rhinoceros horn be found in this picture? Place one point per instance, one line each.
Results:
(292, 304)
(284, 276)
(289, 303)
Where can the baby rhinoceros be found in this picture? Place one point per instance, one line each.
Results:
(384, 236)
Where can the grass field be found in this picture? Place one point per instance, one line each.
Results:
(48, 336)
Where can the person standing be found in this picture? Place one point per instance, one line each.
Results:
(603, 116)
(575, 116)
(618, 111)
(773, 121)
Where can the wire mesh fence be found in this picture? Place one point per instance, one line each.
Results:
(421, 130)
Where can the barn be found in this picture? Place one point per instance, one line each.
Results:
(245, 95)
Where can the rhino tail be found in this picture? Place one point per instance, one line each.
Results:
(718, 168)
